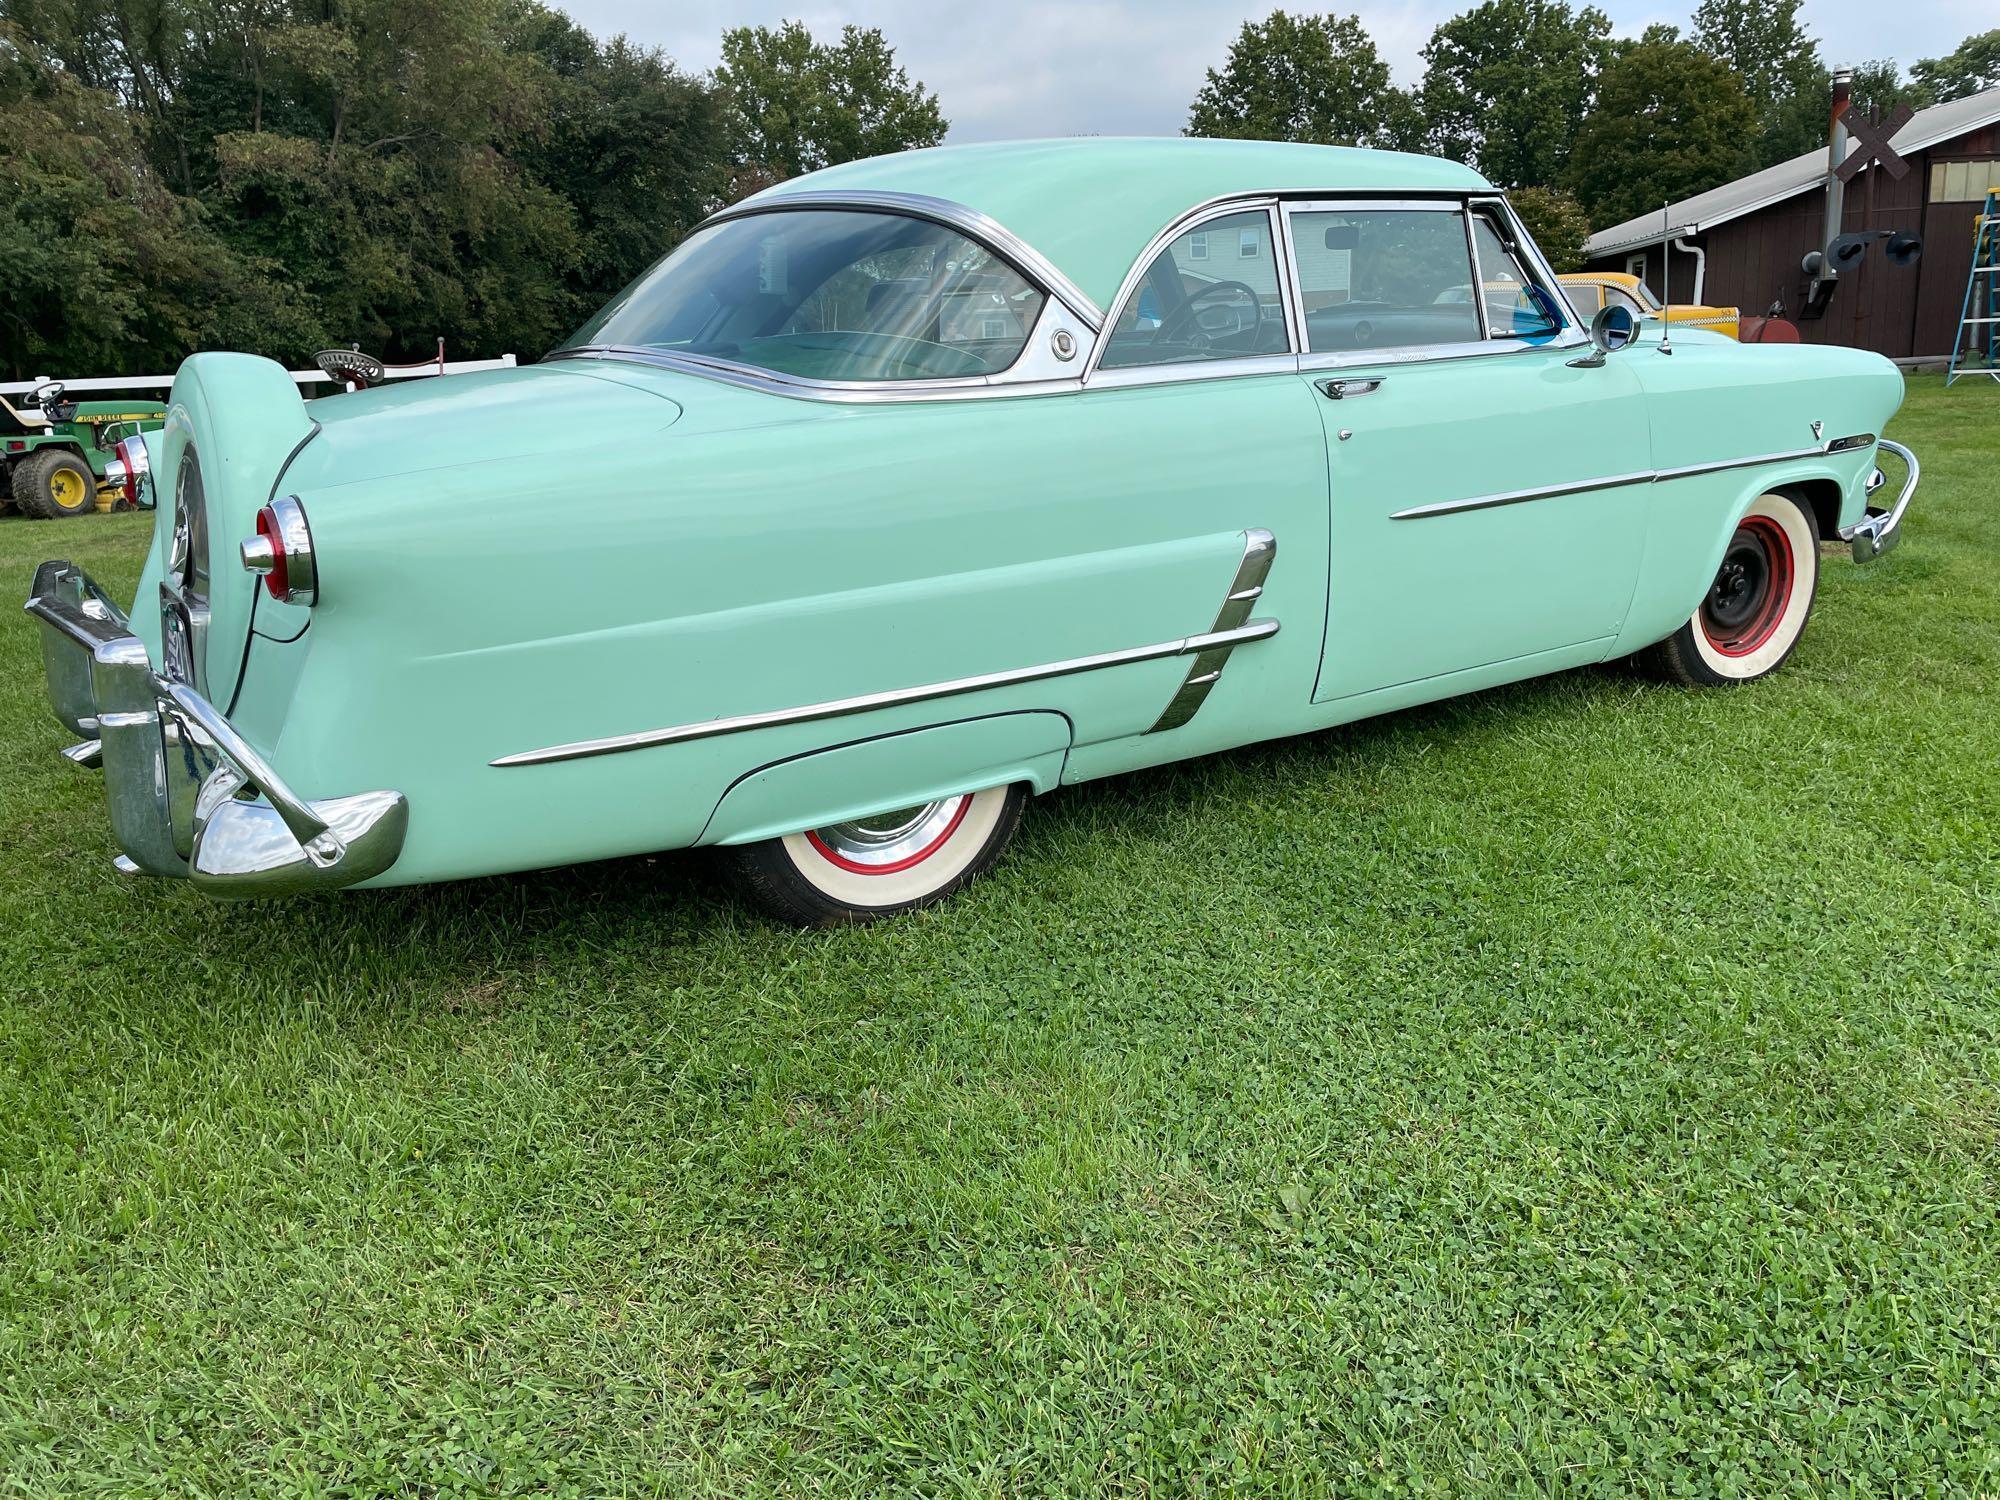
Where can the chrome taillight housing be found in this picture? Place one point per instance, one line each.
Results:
(134, 472)
(282, 552)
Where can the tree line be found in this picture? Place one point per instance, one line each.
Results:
(287, 175)
(1588, 129)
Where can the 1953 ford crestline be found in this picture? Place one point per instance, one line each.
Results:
(909, 488)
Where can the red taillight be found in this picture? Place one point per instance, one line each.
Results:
(282, 552)
(277, 578)
(136, 478)
(17, 447)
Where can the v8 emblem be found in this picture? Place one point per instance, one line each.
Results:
(1819, 429)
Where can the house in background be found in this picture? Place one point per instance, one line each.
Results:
(1741, 243)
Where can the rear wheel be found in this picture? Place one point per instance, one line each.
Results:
(1756, 608)
(55, 483)
(847, 873)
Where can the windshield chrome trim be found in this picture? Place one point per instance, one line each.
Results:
(838, 708)
(1538, 264)
(996, 236)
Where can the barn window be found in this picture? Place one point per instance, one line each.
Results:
(1964, 181)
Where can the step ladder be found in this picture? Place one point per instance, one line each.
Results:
(1979, 318)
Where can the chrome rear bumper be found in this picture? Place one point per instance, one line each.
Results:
(189, 796)
(1879, 530)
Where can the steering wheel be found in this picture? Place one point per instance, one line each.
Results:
(1172, 326)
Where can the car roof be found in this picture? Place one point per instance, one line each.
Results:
(1091, 205)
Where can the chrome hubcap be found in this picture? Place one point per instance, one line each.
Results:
(891, 838)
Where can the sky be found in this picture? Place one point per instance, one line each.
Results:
(1026, 68)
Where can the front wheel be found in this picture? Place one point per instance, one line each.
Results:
(848, 873)
(1755, 610)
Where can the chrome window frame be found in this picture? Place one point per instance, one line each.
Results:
(1569, 334)
(1033, 372)
(1539, 272)
(1194, 218)
(1038, 372)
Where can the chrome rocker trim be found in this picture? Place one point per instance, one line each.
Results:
(1259, 549)
(839, 708)
(1879, 531)
(1659, 476)
(189, 796)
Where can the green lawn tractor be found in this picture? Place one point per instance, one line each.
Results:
(55, 456)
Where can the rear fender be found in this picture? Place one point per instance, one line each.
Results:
(243, 415)
(889, 772)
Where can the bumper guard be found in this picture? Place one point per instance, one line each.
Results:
(189, 796)
(1879, 530)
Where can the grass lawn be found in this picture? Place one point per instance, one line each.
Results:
(1589, 1085)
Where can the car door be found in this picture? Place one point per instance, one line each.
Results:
(1486, 493)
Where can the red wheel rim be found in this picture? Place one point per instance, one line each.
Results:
(1747, 602)
(909, 861)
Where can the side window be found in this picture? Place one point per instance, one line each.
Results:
(1384, 278)
(1513, 306)
(1211, 294)
(1584, 299)
(1618, 298)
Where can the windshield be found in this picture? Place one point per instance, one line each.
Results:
(828, 294)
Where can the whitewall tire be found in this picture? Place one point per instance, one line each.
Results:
(876, 866)
(1756, 606)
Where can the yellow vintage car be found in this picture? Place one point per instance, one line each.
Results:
(1588, 291)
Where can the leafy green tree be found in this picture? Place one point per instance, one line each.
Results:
(1507, 84)
(481, 170)
(1879, 86)
(1778, 64)
(636, 148)
(796, 104)
(1972, 68)
(394, 195)
(1669, 122)
(1555, 221)
(107, 268)
(1298, 78)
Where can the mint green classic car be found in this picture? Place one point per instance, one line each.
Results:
(941, 480)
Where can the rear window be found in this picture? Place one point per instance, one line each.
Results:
(828, 294)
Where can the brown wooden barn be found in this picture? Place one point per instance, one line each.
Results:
(1741, 244)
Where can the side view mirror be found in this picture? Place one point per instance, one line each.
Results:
(1611, 330)
(1342, 237)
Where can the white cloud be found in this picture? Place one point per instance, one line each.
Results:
(1132, 67)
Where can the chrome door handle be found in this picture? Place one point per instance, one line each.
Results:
(1340, 390)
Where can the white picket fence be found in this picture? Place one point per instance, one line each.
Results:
(303, 377)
